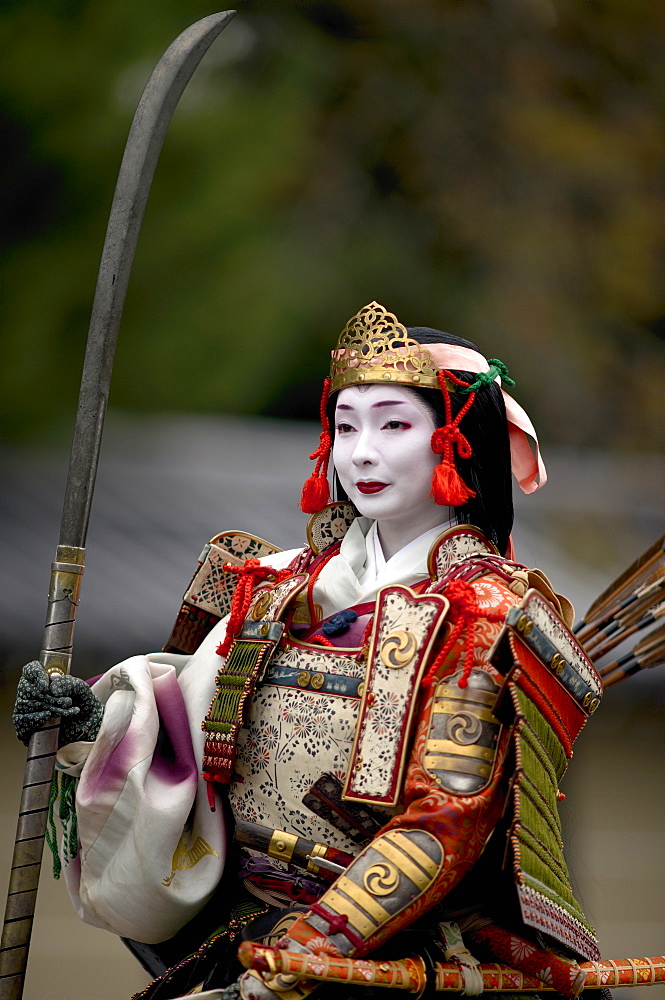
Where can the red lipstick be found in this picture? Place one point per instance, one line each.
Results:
(371, 487)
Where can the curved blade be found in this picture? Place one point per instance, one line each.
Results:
(144, 143)
(146, 135)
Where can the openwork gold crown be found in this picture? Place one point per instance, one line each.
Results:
(375, 347)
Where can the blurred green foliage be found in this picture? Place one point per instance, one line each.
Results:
(492, 167)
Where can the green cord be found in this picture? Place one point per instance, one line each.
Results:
(70, 843)
(496, 367)
(51, 834)
(63, 786)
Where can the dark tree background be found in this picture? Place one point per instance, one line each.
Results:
(493, 167)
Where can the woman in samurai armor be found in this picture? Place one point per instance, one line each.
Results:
(355, 743)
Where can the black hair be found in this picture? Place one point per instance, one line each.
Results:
(488, 471)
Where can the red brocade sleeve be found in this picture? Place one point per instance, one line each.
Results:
(455, 787)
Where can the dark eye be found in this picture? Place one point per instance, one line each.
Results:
(395, 425)
(343, 428)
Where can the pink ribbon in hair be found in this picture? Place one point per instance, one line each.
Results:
(527, 464)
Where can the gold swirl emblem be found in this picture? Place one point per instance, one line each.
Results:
(398, 649)
(464, 728)
(261, 605)
(381, 879)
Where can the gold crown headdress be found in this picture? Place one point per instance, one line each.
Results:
(375, 347)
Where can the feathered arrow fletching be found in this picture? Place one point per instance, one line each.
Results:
(647, 654)
(628, 587)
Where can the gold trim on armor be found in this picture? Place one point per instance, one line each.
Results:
(261, 605)
(381, 879)
(382, 788)
(363, 898)
(406, 855)
(398, 649)
(320, 531)
(282, 845)
(458, 749)
(441, 762)
(469, 696)
(452, 708)
(340, 904)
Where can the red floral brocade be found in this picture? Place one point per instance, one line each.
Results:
(461, 823)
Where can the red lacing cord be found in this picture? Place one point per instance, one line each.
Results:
(249, 573)
(448, 487)
(464, 607)
(548, 710)
(322, 640)
(316, 491)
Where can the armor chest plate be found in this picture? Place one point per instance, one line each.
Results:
(301, 724)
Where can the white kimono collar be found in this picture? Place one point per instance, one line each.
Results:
(353, 576)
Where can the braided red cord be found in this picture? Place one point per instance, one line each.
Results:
(250, 573)
(464, 607)
(316, 492)
(448, 487)
(322, 640)
(548, 710)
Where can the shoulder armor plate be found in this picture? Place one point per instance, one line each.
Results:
(210, 592)
(329, 525)
(454, 546)
(552, 658)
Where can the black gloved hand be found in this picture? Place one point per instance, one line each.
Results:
(40, 697)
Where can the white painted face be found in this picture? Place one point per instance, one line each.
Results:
(383, 457)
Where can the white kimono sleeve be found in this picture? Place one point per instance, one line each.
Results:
(151, 850)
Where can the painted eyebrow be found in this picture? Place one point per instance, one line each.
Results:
(383, 402)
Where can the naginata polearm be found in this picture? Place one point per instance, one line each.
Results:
(144, 143)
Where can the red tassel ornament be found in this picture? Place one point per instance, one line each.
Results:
(448, 487)
(316, 491)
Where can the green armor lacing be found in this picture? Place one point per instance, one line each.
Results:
(63, 786)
